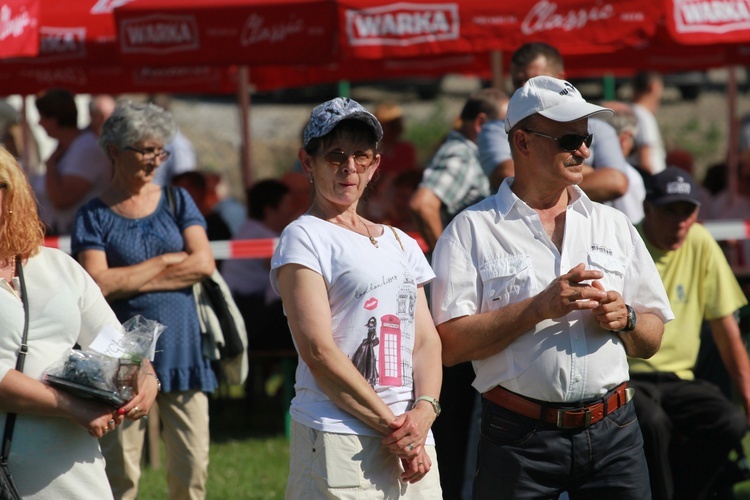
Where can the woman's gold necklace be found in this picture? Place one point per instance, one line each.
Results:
(372, 240)
(352, 228)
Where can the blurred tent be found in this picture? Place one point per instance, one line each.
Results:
(288, 43)
(19, 28)
(366, 39)
(227, 46)
(77, 50)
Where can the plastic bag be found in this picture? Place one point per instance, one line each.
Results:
(108, 368)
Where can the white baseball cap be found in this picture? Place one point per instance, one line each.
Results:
(552, 98)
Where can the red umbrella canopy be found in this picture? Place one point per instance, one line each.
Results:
(78, 51)
(377, 29)
(274, 32)
(19, 28)
(703, 22)
(222, 32)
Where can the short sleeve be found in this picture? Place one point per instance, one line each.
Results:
(607, 151)
(295, 247)
(187, 211)
(456, 290)
(644, 289)
(417, 260)
(493, 145)
(87, 231)
(723, 294)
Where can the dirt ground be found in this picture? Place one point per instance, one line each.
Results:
(700, 126)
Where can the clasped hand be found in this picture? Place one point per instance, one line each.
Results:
(407, 442)
(569, 293)
(409, 432)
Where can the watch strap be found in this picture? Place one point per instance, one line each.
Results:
(630, 325)
(434, 402)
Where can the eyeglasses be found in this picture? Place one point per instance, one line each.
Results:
(149, 155)
(568, 142)
(337, 158)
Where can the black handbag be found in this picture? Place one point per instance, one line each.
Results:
(8, 490)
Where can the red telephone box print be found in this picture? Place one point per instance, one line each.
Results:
(390, 351)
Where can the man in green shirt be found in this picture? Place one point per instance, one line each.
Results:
(669, 401)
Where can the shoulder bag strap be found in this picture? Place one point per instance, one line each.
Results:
(169, 192)
(10, 419)
(397, 238)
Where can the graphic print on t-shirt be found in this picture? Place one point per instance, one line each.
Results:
(390, 351)
(364, 357)
(383, 356)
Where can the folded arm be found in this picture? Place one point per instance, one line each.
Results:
(482, 335)
(170, 271)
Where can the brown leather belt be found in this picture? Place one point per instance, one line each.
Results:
(563, 418)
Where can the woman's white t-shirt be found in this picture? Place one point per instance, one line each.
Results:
(372, 293)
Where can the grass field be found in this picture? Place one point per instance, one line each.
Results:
(249, 454)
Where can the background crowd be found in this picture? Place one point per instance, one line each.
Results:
(94, 186)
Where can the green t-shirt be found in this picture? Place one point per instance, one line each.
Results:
(700, 285)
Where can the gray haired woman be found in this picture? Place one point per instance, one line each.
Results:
(145, 256)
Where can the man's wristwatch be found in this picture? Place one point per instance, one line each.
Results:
(630, 326)
(434, 402)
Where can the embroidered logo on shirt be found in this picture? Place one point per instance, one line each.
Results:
(681, 295)
(599, 248)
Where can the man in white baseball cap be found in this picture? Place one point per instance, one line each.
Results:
(547, 292)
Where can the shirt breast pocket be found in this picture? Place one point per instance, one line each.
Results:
(506, 278)
(612, 267)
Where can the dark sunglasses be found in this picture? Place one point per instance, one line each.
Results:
(337, 158)
(568, 142)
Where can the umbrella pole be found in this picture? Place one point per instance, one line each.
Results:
(496, 63)
(243, 98)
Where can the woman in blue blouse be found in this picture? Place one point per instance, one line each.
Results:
(146, 258)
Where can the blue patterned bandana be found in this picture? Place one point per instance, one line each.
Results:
(327, 115)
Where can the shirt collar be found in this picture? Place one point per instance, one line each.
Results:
(506, 199)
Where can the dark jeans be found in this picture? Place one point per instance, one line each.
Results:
(520, 457)
(689, 428)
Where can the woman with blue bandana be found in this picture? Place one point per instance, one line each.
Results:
(369, 373)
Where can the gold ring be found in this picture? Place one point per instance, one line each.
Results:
(136, 409)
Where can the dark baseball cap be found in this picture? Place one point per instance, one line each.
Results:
(670, 185)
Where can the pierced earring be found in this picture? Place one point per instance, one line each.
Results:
(10, 212)
(310, 177)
